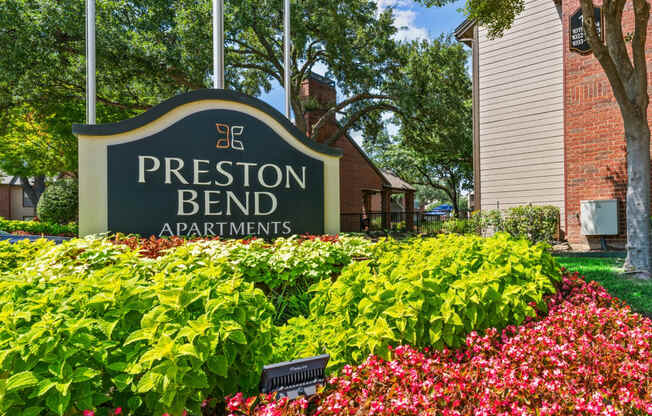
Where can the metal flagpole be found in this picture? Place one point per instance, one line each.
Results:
(287, 44)
(218, 44)
(90, 62)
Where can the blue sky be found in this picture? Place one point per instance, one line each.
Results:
(418, 21)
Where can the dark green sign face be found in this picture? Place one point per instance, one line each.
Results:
(215, 172)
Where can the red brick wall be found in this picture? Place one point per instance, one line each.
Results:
(595, 158)
(5, 201)
(356, 172)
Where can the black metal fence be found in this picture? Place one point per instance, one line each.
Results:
(395, 221)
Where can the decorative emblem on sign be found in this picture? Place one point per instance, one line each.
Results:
(578, 39)
(229, 142)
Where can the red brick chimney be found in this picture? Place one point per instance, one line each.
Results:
(318, 93)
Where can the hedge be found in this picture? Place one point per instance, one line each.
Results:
(38, 228)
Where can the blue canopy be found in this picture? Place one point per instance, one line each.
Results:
(443, 207)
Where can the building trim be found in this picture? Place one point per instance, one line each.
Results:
(477, 180)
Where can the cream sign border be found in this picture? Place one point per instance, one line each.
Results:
(93, 142)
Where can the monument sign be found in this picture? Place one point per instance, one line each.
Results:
(209, 163)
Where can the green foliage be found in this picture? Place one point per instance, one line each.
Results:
(424, 292)
(496, 15)
(44, 63)
(433, 147)
(90, 323)
(39, 141)
(38, 227)
(460, 226)
(60, 202)
(536, 223)
(14, 255)
(285, 269)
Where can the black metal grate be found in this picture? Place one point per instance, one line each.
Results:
(294, 378)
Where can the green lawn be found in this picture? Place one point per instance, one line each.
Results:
(607, 272)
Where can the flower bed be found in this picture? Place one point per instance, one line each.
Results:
(590, 355)
(152, 327)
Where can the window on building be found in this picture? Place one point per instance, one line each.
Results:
(27, 203)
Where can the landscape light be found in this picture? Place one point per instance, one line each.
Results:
(294, 378)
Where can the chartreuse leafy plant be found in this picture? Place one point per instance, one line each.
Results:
(88, 324)
(422, 292)
(14, 255)
(285, 268)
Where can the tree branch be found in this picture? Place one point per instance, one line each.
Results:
(261, 68)
(355, 117)
(331, 112)
(641, 18)
(270, 50)
(602, 54)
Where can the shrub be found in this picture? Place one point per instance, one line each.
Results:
(425, 292)
(536, 223)
(591, 355)
(89, 324)
(38, 228)
(59, 203)
(459, 226)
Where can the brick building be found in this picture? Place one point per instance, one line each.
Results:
(364, 188)
(547, 129)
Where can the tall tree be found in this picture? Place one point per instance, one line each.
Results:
(422, 168)
(29, 152)
(433, 146)
(623, 58)
(37, 143)
(151, 50)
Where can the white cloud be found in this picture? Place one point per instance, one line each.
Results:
(383, 4)
(357, 136)
(404, 19)
(319, 68)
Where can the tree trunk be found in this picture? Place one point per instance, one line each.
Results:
(34, 191)
(638, 198)
(456, 203)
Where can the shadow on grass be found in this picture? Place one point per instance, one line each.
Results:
(608, 272)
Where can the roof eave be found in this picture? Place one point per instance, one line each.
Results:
(464, 32)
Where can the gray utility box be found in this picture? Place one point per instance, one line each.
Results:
(599, 217)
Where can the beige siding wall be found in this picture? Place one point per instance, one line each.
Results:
(18, 211)
(522, 111)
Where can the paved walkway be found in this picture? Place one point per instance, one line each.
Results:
(14, 238)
